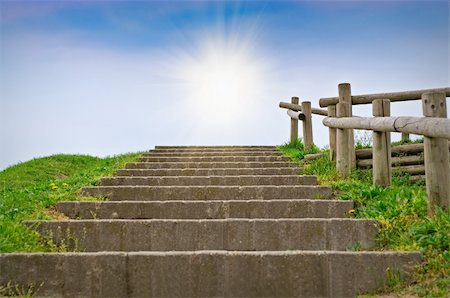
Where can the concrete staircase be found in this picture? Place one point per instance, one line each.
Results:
(207, 221)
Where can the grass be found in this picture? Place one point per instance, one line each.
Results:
(296, 150)
(29, 188)
(401, 210)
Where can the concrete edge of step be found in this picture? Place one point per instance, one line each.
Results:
(215, 220)
(218, 252)
(304, 201)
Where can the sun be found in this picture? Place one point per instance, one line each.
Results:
(222, 82)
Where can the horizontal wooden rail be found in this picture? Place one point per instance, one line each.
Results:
(298, 108)
(395, 150)
(395, 161)
(427, 126)
(392, 96)
(296, 115)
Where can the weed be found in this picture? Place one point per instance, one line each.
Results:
(408, 141)
(296, 150)
(25, 291)
(356, 246)
(363, 139)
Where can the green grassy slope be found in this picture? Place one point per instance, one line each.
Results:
(401, 210)
(29, 188)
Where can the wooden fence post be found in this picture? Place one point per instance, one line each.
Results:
(381, 146)
(294, 123)
(343, 162)
(405, 136)
(307, 125)
(437, 170)
(345, 98)
(332, 133)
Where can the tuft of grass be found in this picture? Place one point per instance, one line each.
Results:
(28, 189)
(296, 150)
(408, 141)
(401, 210)
(363, 139)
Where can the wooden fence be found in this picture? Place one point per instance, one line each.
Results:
(303, 113)
(434, 126)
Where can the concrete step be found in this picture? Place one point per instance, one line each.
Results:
(187, 150)
(209, 172)
(215, 159)
(216, 147)
(208, 165)
(212, 153)
(204, 273)
(206, 209)
(210, 180)
(209, 234)
(208, 193)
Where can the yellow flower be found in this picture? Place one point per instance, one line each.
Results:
(54, 187)
(65, 184)
(52, 184)
(351, 211)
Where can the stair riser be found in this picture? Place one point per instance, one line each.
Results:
(206, 274)
(215, 147)
(211, 153)
(208, 165)
(218, 180)
(216, 159)
(208, 172)
(212, 150)
(209, 209)
(161, 193)
(231, 234)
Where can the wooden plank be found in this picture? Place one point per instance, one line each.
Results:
(407, 149)
(310, 157)
(343, 166)
(395, 161)
(405, 136)
(381, 146)
(298, 108)
(437, 170)
(332, 133)
(345, 97)
(412, 170)
(296, 115)
(307, 125)
(393, 96)
(432, 127)
(294, 123)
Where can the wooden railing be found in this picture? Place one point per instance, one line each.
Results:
(434, 126)
(302, 113)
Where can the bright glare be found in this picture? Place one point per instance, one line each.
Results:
(222, 83)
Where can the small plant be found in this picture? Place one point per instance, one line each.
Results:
(393, 277)
(407, 141)
(363, 139)
(296, 150)
(25, 291)
(356, 246)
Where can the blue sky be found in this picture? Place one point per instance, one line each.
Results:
(104, 78)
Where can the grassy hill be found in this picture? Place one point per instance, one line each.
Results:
(29, 188)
